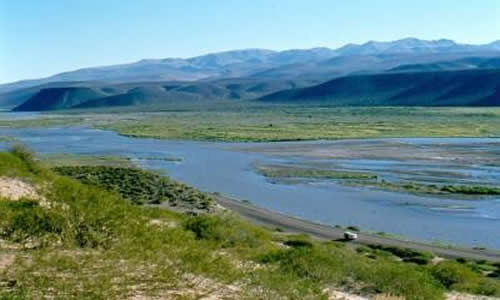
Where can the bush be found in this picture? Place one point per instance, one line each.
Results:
(23, 153)
(298, 243)
(226, 231)
(206, 227)
(25, 219)
(407, 255)
(354, 228)
(326, 264)
(139, 186)
(27, 156)
(459, 277)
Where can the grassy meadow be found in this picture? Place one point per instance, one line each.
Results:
(86, 241)
(245, 121)
(74, 160)
(292, 123)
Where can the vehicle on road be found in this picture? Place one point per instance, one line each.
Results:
(350, 236)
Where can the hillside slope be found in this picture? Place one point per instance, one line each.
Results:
(460, 64)
(70, 240)
(59, 98)
(97, 95)
(246, 62)
(453, 88)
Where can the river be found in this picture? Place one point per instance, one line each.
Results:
(229, 168)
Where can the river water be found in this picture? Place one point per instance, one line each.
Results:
(229, 168)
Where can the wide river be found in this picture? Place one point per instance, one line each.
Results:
(229, 168)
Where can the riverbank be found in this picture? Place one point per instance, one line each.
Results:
(52, 241)
(275, 220)
(229, 169)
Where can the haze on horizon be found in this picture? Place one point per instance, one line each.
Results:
(39, 39)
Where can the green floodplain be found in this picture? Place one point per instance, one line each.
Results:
(245, 121)
(251, 122)
(371, 180)
(89, 234)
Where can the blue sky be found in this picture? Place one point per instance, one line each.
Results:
(42, 37)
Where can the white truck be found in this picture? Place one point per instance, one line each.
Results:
(350, 236)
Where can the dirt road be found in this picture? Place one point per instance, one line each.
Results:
(272, 219)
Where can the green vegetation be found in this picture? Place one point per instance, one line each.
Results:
(489, 269)
(249, 121)
(414, 187)
(371, 180)
(407, 255)
(43, 121)
(462, 278)
(139, 186)
(7, 139)
(471, 189)
(58, 160)
(79, 241)
(354, 228)
(281, 171)
(170, 159)
(293, 123)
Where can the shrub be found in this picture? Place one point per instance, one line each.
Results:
(298, 243)
(139, 186)
(23, 153)
(27, 156)
(325, 264)
(407, 255)
(459, 277)
(226, 231)
(417, 260)
(206, 227)
(25, 219)
(354, 228)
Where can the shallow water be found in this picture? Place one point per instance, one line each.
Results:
(228, 168)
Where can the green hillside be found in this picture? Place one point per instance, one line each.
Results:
(94, 95)
(59, 98)
(67, 240)
(451, 88)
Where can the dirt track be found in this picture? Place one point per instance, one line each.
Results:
(268, 218)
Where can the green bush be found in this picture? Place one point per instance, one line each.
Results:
(25, 219)
(27, 156)
(23, 153)
(354, 228)
(298, 243)
(139, 186)
(473, 190)
(226, 231)
(460, 277)
(407, 255)
(327, 264)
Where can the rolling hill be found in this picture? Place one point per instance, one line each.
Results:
(450, 88)
(280, 76)
(97, 95)
(460, 64)
(255, 62)
(59, 98)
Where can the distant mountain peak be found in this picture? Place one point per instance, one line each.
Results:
(257, 61)
(408, 45)
(495, 44)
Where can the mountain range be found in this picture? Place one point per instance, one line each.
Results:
(267, 75)
(445, 88)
